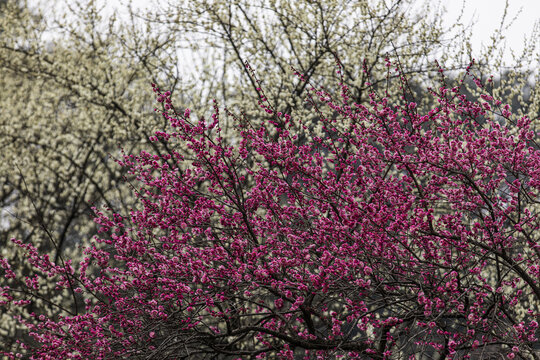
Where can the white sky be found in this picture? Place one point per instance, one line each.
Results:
(488, 13)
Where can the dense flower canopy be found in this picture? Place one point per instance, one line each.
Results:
(408, 233)
(75, 81)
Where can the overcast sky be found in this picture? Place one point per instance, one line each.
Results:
(488, 13)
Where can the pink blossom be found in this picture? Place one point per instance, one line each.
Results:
(389, 231)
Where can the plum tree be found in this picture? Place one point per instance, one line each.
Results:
(281, 248)
(75, 88)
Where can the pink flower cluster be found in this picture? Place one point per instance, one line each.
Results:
(390, 233)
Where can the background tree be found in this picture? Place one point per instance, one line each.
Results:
(275, 35)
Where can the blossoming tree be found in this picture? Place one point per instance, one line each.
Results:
(297, 243)
(75, 77)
